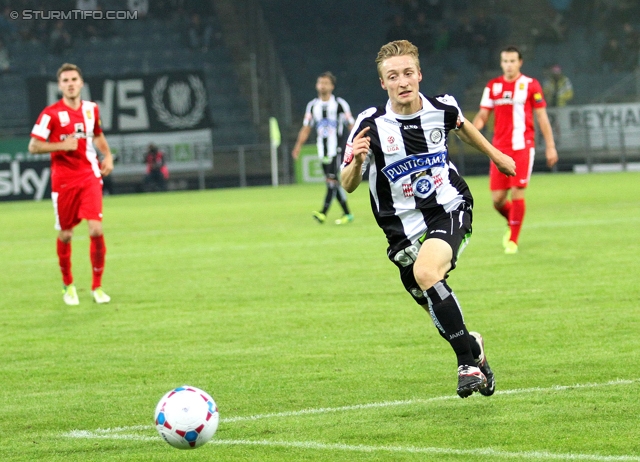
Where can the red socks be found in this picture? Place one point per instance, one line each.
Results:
(516, 216)
(504, 211)
(97, 251)
(64, 258)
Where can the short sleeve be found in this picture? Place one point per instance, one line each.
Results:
(42, 129)
(486, 102)
(97, 129)
(536, 95)
(308, 116)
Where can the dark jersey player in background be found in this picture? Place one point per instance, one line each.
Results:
(329, 114)
(418, 198)
(69, 129)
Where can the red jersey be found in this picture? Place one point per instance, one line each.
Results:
(513, 104)
(57, 122)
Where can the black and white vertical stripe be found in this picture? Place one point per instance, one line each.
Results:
(329, 118)
(411, 178)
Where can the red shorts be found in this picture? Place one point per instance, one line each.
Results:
(524, 164)
(76, 202)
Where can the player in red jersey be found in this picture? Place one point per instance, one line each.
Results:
(514, 98)
(69, 129)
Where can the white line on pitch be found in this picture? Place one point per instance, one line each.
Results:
(422, 401)
(102, 432)
(487, 452)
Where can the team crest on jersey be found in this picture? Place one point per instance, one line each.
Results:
(497, 88)
(521, 86)
(63, 116)
(423, 187)
(88, 114)
(436, 135)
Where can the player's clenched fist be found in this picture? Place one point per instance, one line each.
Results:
(69, 144)
(506, 164)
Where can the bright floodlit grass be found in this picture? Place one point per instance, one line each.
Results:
(240, 292)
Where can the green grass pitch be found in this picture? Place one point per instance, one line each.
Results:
(240, 292)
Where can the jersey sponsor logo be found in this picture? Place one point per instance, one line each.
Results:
(63, 116)
(423, 187)
(411, 127)
(497, 88)
(436, 135)
(392, 122)
(407, 189)
(507, 95)
(413, 164)
(503, 102)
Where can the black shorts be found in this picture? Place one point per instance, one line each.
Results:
(331, 166)
(454, 228)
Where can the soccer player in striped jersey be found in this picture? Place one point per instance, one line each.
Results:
(514, 98)
(329, 114)
(69, 129)
(419, 199)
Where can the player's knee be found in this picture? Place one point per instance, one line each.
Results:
(95, 229)
(65, 235)
(427, 276)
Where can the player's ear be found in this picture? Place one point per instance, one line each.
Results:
(382, 84)
(419, 75)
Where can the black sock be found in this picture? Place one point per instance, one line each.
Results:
(475, 348)
(447, 316)
(342, 198)
(331, 193)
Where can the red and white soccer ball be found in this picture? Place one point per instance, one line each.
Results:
(186, 417)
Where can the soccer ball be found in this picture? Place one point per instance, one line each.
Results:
(186, 417)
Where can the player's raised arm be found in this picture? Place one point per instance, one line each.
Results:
(355, 156)
(470, 135)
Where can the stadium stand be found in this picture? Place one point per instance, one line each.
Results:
(144, 45)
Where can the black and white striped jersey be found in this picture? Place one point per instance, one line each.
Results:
(329, 118)
(411, 178)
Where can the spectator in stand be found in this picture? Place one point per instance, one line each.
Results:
(398, 29)
(60, 38)
(557, 87)
(631, 44)
(157, 171)
(199, 33)
(139, 6)
(5, 62)
(613, 56)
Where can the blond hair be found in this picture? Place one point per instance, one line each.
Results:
(68, 67)
(397, 48)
